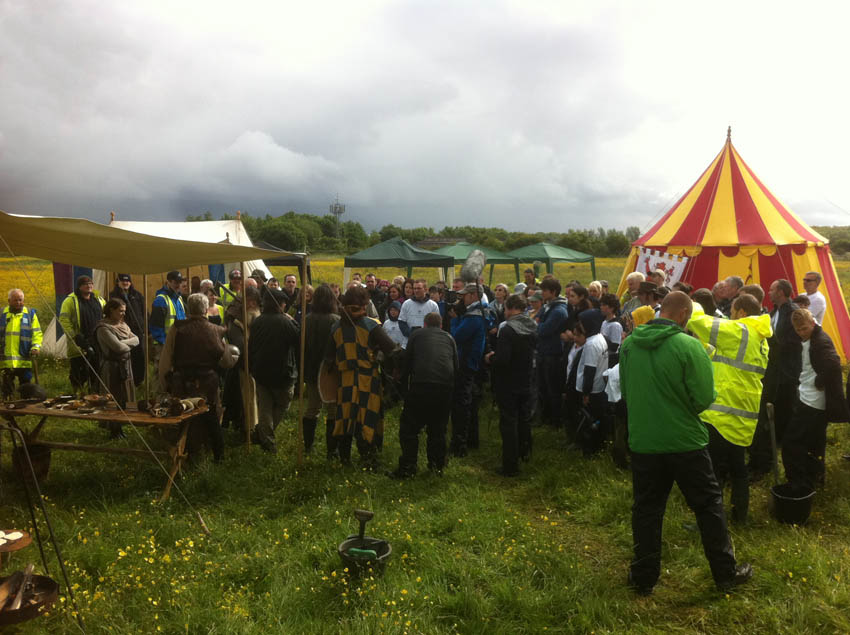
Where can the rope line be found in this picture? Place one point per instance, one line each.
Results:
(121, 410)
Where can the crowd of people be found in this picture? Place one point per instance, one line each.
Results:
(675, 381)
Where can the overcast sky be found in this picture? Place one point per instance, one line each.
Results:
(526, 115)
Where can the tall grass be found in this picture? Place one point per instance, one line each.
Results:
(473, 552)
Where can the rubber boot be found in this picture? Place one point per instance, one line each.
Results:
(308, 426)
(331, 441)
(344, 446)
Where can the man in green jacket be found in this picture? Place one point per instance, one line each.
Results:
(666, 380)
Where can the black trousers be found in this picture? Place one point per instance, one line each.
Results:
(462, 409)
(137, 361)
(515, 426)
(426, 406)
(472, 435)
(83, 376)
(805, 447)
(552, 376)
(783, 398)
(653, 476)
(592, 439)
(730, 464)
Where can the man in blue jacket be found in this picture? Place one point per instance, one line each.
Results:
(167, 308)
(469, 331)
(552, 378)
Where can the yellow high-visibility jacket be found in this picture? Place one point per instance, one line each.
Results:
(738, 351)
(20, 333)
(69, 318)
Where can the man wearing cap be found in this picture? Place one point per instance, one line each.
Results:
(135, 319)
(469, 331)
(167, 308)
(20, 341)
(230, 291)
(80, 313)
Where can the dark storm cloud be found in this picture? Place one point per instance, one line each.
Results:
(416, 113)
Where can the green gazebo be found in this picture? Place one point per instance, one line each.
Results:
(395, 252)
(550, 254)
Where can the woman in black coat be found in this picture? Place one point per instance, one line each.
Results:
(135, 319)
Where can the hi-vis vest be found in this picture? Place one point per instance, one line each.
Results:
(171, 314)
(738, 351)
(69, 318)
(19, 334)
(228, 295)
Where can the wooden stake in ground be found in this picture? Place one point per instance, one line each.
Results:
(146, 344)
(247, 393)
(301, 364)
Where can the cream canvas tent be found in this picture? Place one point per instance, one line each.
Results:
(213, 231)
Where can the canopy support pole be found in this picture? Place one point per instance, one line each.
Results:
(301, 366)
(516, 270)
(247, 417)
(146, 339)
(491, 275)
(593, 268)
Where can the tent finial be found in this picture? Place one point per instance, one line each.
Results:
(729, 134)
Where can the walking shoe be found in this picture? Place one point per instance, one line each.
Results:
(399, 475)
(640, 589)
(743, 573)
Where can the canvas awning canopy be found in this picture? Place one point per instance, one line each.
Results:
(286, 259)
(396, 252)
(85, 243)
(550, 254)
(460, 252)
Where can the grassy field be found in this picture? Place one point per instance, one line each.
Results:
(473, 553)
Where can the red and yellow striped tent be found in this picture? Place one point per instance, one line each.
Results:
(728, 223)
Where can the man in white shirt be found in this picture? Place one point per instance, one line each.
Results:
(820, 400)
(414, 310)
(817, 302)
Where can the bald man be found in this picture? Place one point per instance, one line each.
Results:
(666, 380)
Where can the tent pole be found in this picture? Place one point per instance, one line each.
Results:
(300, 422)
(146, 338)
(246, 388)
(516, 269)
(593, 268)
(491, 275)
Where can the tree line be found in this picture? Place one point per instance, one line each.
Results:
(299, 232)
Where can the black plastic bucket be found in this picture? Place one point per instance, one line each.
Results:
(792, 504)
(356, 564)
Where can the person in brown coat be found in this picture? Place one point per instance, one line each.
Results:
(192, 351)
